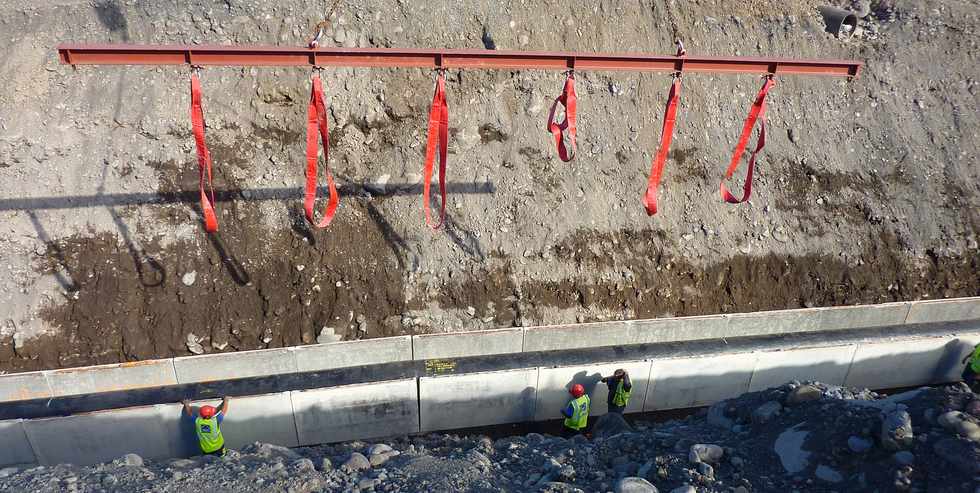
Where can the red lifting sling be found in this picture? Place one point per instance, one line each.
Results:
(568, 100)
(438, 135)
(203, 156)
(666, 135)
(316, 122)
(758, 112)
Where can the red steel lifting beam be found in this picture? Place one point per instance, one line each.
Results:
(215, 55)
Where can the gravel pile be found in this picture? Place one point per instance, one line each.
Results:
(797, 437)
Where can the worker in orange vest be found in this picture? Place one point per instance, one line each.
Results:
(207, 426)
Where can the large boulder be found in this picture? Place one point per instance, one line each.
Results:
(896, 430)
(702, 452)
(766, 412)
(634, 485)
(803, 393)
(357, 462)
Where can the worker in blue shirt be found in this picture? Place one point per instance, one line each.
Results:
(576, 412)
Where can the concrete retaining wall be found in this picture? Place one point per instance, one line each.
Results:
(226, 366)
(356, 412)
(428, 403)
(16, 448)
(477, 399)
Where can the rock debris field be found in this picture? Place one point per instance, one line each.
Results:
(794, 438)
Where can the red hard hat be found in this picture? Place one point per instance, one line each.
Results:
(577, 390)
(207, 411)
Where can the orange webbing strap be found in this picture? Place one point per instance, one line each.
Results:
(758, 112)
(203, 156)
(316, 122)
(666, 135)
(438, 135)
(568, 100)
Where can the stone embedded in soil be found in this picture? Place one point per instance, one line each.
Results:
(189, 278)
(327, 336)
(194, 344)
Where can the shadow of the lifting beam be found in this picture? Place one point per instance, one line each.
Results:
(248, 195)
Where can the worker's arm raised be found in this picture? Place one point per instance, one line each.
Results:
(187, 407)
(224, 405)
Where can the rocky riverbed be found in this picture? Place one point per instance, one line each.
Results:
(796, 437)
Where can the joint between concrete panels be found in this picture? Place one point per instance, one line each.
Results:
(292, 410)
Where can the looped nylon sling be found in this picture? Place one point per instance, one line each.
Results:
(758, 112)
(203, 156)
(316, 122)
(438, 135)
(568, 100)
(666, 135)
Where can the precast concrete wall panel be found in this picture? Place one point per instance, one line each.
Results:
(86, 439)
(229, 366)
(15, 448)
(824, 364)
(477, 399)
(944, 310)
(554, 383)
(863, 316)
(463, 344)
(353, 353)
(677, 329)
(24, 386)
(773, 322)
(909, 362)
(361, 411)
(559, 337)
(698, 381)
(266, 418)
(110, 378)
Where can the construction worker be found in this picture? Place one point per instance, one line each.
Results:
(207, 426)
(576, 412)
(971, 374)
(620, 388)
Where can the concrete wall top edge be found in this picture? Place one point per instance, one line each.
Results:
(463, 344)
(468, 333)
(218, 366)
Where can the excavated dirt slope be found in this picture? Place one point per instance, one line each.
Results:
(866, 192)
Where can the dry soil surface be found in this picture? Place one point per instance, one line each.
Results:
(866, 192)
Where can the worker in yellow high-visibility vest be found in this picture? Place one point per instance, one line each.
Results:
(620, 388)
(576, 412)
(207, 426)
(971, 374)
